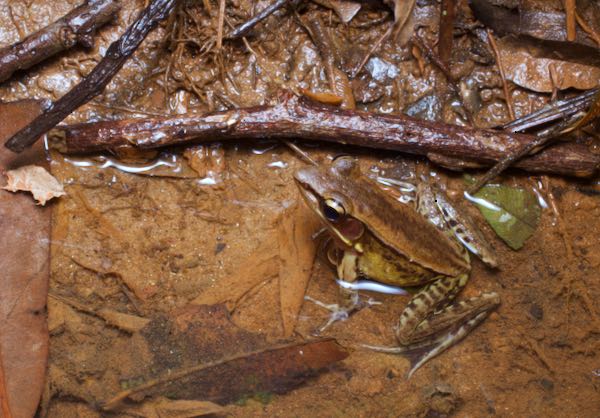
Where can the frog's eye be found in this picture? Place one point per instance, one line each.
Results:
(333, 210)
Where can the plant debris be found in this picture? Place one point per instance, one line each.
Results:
(25, 266)
(34, 179)
(512, 212)
(198, 354)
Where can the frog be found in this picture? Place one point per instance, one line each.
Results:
(420, 246)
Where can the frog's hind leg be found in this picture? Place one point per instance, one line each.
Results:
(429, 325)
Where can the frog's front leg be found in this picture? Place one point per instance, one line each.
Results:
(348, 299)
(429, 325)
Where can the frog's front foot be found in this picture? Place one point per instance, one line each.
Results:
(340, 313)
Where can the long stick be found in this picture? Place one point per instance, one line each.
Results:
(77, 26)
(299, 118)
(93, 84)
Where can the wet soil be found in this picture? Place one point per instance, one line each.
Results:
(149, 233)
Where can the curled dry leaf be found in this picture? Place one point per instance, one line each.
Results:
(32, 178)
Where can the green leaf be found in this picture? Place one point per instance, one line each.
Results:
(512, 212)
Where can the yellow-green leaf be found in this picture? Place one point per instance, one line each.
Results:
(512, 212)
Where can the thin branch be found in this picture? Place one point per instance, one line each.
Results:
(92, 85)
(244, 28)
(558, 110)
(446, 32)
(570, 20)
(302, 119)
(221, 20)
(436, 60)
(537, 143)
(507, 96)
(372, 50)
(587, 29)
(569, 122)
(78, 26)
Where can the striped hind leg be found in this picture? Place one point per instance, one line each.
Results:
(430, 324)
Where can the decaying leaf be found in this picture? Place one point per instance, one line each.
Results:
(345, 9)
(528, 63)
(541, 19)
(24, 281)
(198, 353)
(512, 212)
(35, 179)
(402, 12)
(296, 257)
(162, 407)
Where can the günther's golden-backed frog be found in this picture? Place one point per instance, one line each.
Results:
(374, 236)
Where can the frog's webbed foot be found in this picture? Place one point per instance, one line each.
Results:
(420, 353)
(429, 324)
(339, 312)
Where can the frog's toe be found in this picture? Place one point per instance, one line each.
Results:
(338, 313)
(333, 307)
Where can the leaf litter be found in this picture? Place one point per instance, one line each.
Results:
(183, 240)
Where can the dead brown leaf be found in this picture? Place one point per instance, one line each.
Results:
(528, 65)
(24, 282)
(296, 257)
(198, 353)
(345, 9)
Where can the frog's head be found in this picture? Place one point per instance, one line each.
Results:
(328, 192)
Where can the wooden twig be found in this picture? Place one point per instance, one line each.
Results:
(76, 27)
(92, 85)
(507, 97)
(587, 29)
(446, 32)
(570, 20)
(244, 28)
(221, 20)
(437, 61)
(372, 50)
(299, 118)
(558, 110)
(568, 123)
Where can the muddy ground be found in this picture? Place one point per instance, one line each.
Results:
(153, 242)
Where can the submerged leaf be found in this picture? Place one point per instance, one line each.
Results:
(512, 212)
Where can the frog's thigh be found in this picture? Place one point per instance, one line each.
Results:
(432, 298)
(467, 313)
(426, 315)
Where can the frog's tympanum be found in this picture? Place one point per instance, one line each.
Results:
(374, 236)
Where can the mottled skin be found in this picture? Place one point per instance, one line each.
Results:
(377, 237)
